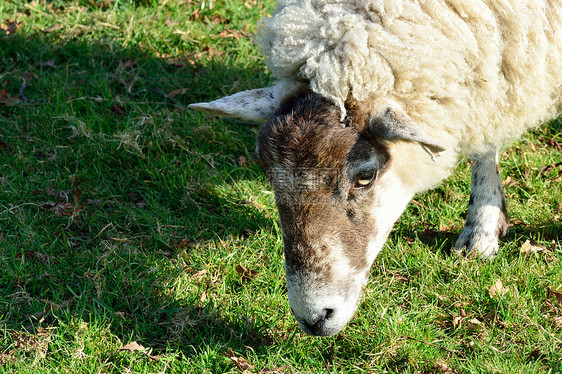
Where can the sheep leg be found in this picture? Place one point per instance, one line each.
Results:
(487, 217)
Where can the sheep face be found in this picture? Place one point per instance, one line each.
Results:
(326, 182)
(339, 187)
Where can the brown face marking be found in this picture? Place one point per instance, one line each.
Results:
(310, 159)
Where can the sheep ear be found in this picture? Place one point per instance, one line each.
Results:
(392, 123)
(254, 105)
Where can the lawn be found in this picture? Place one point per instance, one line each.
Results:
(138, 236)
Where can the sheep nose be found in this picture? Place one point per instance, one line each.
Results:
(316, 326)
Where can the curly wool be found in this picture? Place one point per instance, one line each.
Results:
(474, 73)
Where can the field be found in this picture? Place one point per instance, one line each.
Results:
(137, 236)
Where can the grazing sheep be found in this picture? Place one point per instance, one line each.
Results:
(375, 102)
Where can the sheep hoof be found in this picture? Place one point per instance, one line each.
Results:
(477, 244)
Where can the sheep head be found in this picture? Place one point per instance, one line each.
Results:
(336, 193)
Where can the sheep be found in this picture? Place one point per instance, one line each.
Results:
(376, 101)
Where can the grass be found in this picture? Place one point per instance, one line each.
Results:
(126, 218)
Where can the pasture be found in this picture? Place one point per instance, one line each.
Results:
(138, 236)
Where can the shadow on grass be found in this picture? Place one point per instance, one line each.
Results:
(93, 125)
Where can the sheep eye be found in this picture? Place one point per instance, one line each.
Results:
(365, 179)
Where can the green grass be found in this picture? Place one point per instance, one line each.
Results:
(161, 209)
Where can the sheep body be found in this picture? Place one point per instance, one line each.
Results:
(472, 73)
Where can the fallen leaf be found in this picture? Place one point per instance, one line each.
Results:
(547, 168)
(212, 52)
(248, 233)
(473, 324)
(120, 314)
(6, 148)
(6, 99)
(461, 304)
(123, 66)
(76, 195)
(229, 33)
(528, 248)
(199, 274)
(63, 209)
(245, 273)
(498, 289)
(29, 76)
(95, 202)
(129, 64)
(28, 342)
(240, 362)
(195, 15)
(50, 63)
(553, 143)
(242, 161)
(53, 307)
(398, 276)
(53, 28)
(49, 191)
(34, 255)
(179, 91)
(183, 243)
(444, 368)
(117, 109)
(50, 307)
(5, 358)
(10, 26)
(558, 295)
(509, 182)
(536, 355)
(279, 370)
(558, 321)
(133, 347)
(457, 321)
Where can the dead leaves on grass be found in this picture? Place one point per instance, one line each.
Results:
(53, 28)
(557, 295)
(6, 99)
(497, 290)
(397, 276)
(245, 273)
(554, 307)
(6, 357)
(552, 172)
(37, 256)
(37, 343)
(530, 247)
(444, 368)
(230, 33)
(245, 367)
(50, 308)
(239, 361)
(551, 142)
(64, 207)
(10, 26)
(136, 347)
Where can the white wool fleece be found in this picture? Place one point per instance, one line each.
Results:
(473, 73)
